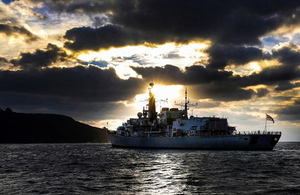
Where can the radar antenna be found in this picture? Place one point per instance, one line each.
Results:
(186, 104)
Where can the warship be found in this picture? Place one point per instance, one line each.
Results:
(172, 128)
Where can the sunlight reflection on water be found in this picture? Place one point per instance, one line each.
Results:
(101, 169)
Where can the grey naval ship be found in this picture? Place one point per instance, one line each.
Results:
(172, 128)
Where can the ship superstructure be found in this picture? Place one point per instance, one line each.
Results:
(172, 128)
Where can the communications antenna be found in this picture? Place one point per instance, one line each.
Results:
(186, 104)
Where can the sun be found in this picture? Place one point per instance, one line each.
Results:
(167, 91)
(165, 95)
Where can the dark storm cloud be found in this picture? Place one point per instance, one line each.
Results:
(200, 74)
(17, 31)
(223, 55)
(288, 54)
(160, 21)
(83, 92)
(75, 6)
(87, 84)
(41, 58)
(289, 57)
(168, 74)
(262, 92)
(227, 89)
(233, 27)
(213, 83)
(222, 91)
(79, 110)
(286, 85)
(87, 38)
(236, 22)
(191, 75)
(88, 7)
(205, 83)
(289, 112)
(271, 76)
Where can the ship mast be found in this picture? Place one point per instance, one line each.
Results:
(186, 105)
(151, 105)
(186, 102)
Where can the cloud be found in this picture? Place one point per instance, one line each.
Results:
(79, 110)
(288, 56)
(223, 55)
(16, 32)
(6, 15)
(80, 7)
(172, 55)
(205, 83)
(262, 92)
(86, 38)
(86, 84)
(96, 63)
(88, 6)
(168, 74)
(222, 91)
(235, 30)
(286, 85)
(2, 59)
(191, 75)
(289, 112)
(230, 22)
(41, 58)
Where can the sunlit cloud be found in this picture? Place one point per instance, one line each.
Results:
(159, 55)
(232, 71)
(246, 69)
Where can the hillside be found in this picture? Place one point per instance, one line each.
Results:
(46, 128)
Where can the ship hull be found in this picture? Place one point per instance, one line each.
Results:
(230, 142)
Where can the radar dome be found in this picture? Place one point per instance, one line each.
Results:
(139, 114)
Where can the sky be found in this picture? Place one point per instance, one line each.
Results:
(93, 59)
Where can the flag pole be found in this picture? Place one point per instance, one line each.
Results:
(268, 117)
(266, 124)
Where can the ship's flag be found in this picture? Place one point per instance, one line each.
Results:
(269, 118)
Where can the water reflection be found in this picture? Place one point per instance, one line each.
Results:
(155, 172)
(185, 171)
(161, 175)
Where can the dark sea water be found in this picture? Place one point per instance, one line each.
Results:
(101, 169)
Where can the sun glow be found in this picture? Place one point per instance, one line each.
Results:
(164, 95)
(170, 91)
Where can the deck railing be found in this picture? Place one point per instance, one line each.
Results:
(237, 133)
(258, 132)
